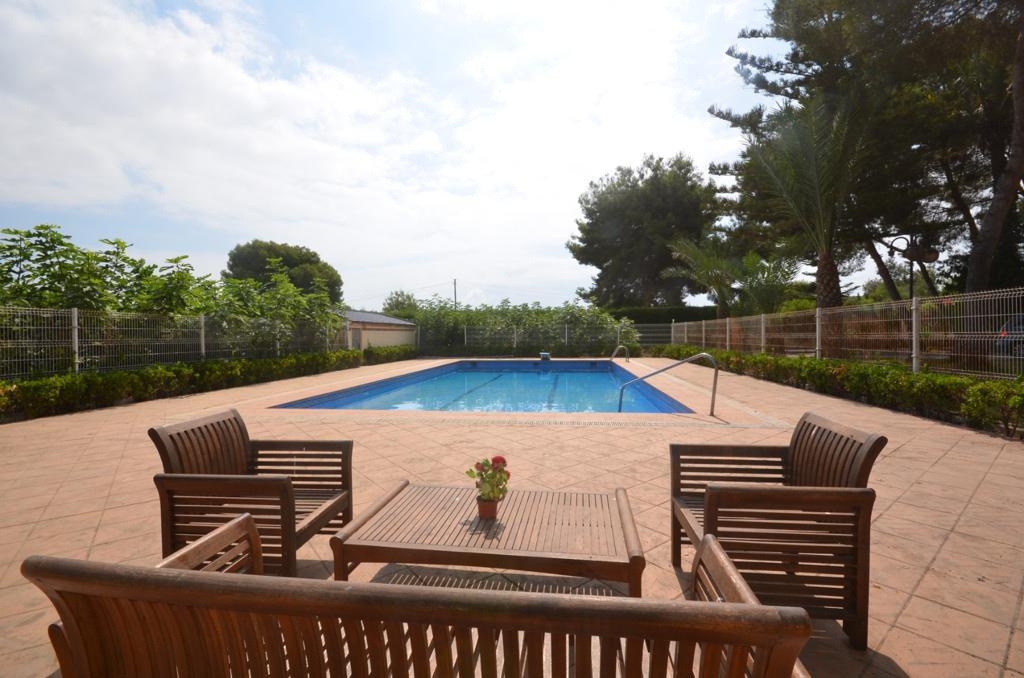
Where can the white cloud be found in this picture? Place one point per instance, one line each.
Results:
(394, 179)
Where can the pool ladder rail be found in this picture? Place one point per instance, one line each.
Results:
(616, 352)
(692, 358)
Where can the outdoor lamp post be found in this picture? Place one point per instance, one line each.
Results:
(914, 251)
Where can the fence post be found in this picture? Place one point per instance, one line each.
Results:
(915, 335)
(685, 327)
(618, 334)
(566, 334)
(515, 338)
(703, 334)
(764, 335)
(74, 338)
(672, 332)
(728, 333)
(817, 333)
(202, 337)
(465, 336)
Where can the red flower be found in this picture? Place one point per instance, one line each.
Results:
(498, 460)
(479, 467)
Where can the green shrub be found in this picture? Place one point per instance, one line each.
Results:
(74, 392)
(374, 355)
(988, 404)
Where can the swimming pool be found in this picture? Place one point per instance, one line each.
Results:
(503, 386)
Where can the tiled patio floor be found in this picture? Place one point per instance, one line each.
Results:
(947, 551)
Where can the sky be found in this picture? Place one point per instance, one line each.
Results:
(411, 144)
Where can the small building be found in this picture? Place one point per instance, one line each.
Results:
(366, 328)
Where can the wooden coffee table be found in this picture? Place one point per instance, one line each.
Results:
(568, 533)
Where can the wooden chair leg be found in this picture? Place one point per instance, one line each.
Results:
(857, 630)
(677, 542)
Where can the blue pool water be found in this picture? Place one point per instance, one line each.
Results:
(503, 386)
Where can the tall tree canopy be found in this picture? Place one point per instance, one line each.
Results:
(400, 303)
(940, 164)
(629, 219)
(302, 265)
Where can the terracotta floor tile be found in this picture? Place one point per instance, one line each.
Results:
(965, 593)
(973, 635)
(30, 663)
(1015, 658)
(917, 655)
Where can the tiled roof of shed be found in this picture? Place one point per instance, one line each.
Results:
(371, 317)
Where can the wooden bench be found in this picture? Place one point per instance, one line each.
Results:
(124, 620)
(212, 472)
(715, 579)
(795, 519)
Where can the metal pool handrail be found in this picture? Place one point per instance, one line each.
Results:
(616, 352)
(714, 383)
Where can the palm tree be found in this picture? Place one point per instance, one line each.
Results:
(805, 170)
(708, 263)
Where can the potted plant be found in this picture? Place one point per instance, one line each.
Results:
(491, 476)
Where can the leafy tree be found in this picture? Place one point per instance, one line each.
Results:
(42, 267)
(176, 290)
(302, 265)
(709, 264)
(400, 303)
(629, 219)
(940, 144)
(806, 171)
(764, 284)
(125, 276)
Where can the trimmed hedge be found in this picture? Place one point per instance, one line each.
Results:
(65, 393)
(372, 355)
(986, 404)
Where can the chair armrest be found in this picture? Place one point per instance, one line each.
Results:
(311, 464)
(753, 496)
(217, 485)
(192, 505)
(694, 466)
(233, 547)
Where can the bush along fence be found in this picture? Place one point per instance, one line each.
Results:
(996, 405)
(72, 392)
(980, 333)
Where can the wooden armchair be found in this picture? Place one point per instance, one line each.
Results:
(795, 519)
(213, 472)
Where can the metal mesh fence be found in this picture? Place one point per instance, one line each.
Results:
(38, 342)
(556, 338)
(979, 334)
(654, 334)
(35, 341)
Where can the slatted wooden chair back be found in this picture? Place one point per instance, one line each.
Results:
(215, 444)
(124, 620)
(233, 548)
(823, 453)
(715, 579)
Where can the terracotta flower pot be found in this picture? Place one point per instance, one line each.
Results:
(487, 508)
